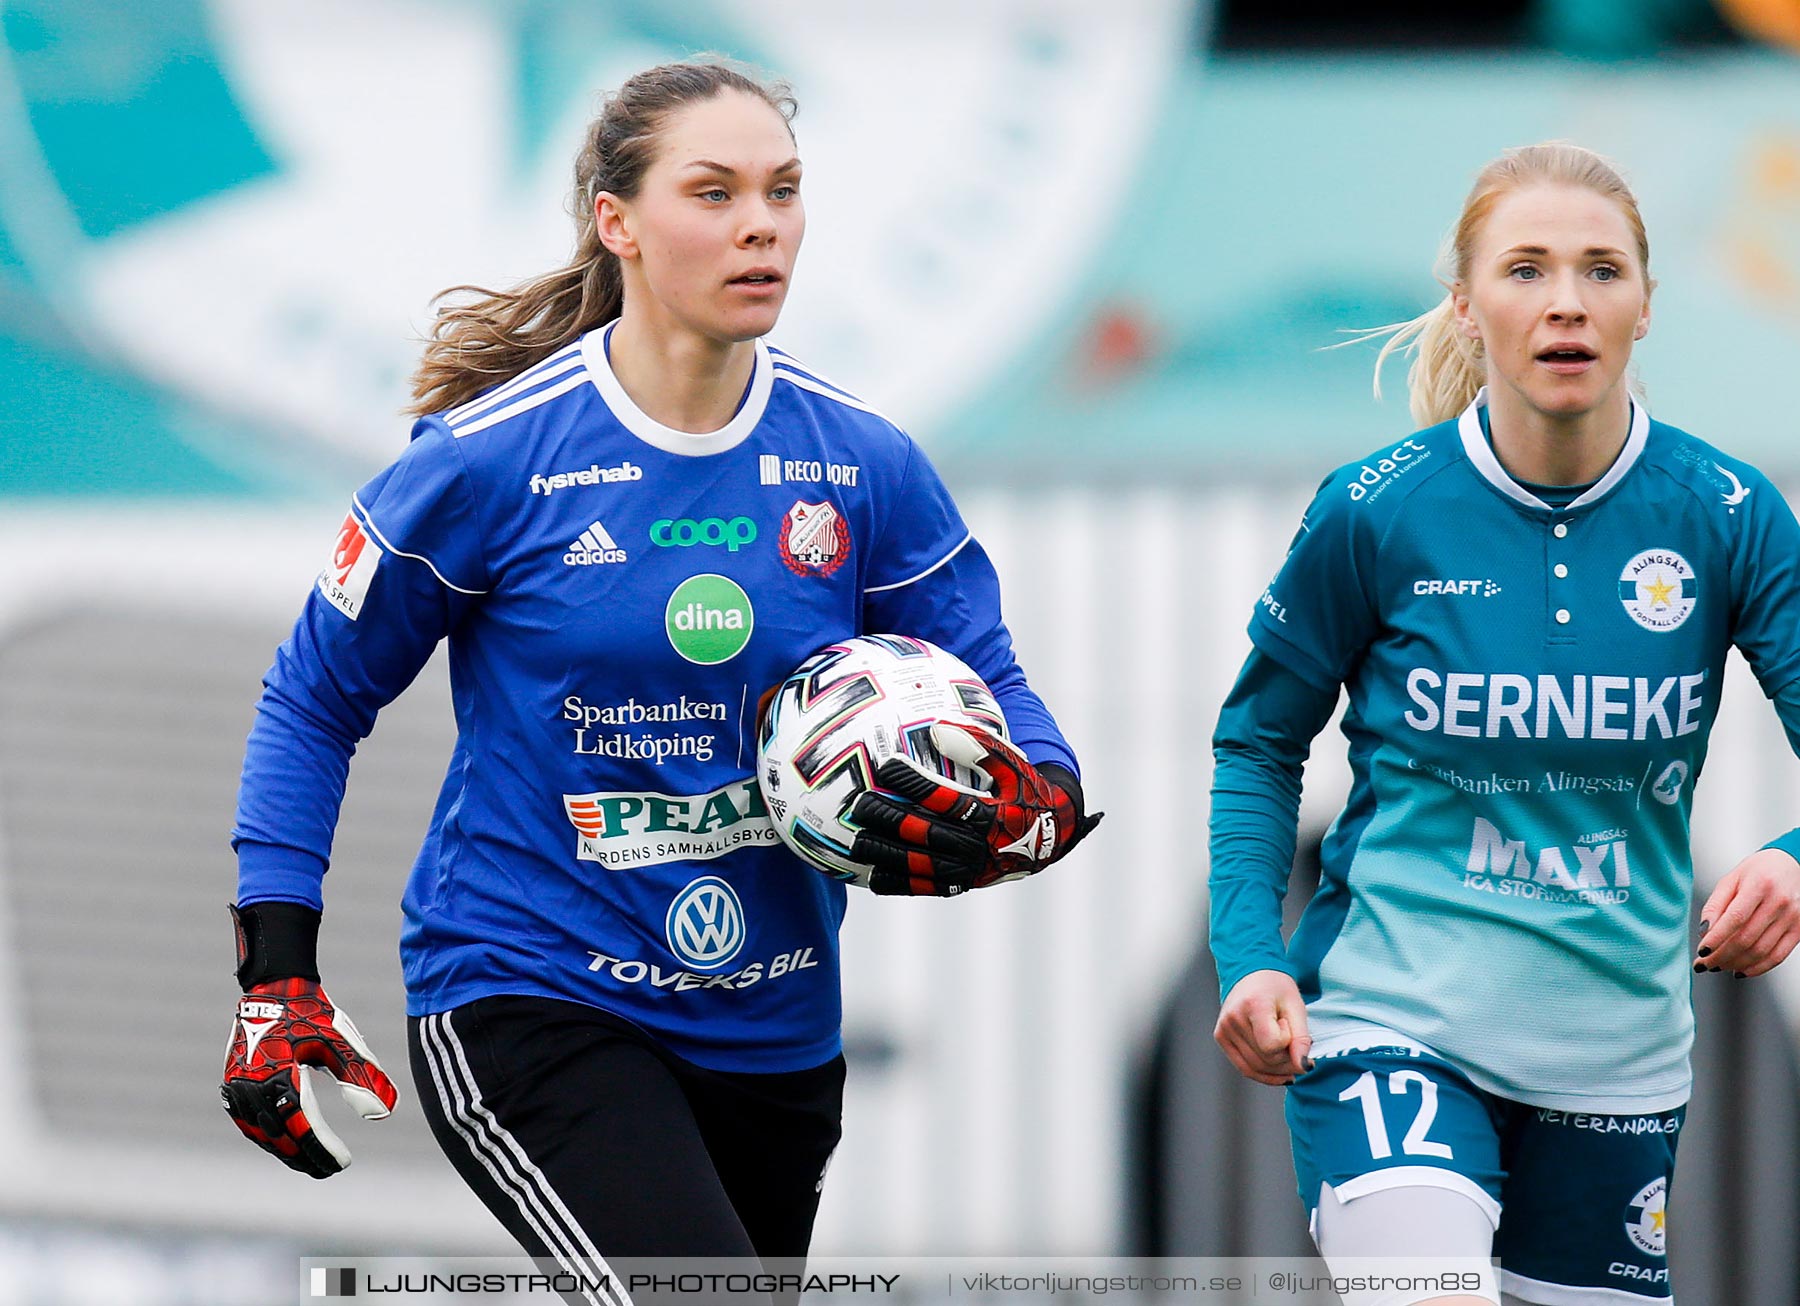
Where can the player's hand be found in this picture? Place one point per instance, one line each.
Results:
(1262, 1028)
(924, 834)
(284, 1030)
(1752, 920)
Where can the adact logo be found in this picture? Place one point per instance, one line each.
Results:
(685, 533)
(1646, 1217)
(621, 830)
(594, 474)
(1399, 460)
(1483, 588)
(709, 619)
(1658, 589)
(345, 582)
(705, 924)
(1504, 866)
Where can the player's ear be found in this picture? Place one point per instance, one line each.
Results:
(613, 224)
(1466, 325)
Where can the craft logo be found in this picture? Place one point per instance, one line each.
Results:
(709, 619)
(1646, 1219)
(1482, 588)
(815, 539)
(1658, 589)
(705, 924)
(345, 582)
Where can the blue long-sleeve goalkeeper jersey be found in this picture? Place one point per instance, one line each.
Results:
(616, 596)
(1531, 688)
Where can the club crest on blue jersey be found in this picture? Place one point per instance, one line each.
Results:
(1658, 588)
(815, 539)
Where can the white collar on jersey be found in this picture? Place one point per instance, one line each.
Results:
(667, 438)
(1481, 453)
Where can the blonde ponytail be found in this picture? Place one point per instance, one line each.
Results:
(1448, 367)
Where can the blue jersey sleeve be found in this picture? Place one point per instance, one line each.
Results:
(1318, 615)
(1265, 732)
(406, 567)
(928, 576)
(1765, 574)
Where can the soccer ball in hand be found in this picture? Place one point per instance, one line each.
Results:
(842, 713)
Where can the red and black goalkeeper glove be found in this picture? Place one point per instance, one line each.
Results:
(285, 1028)
(924, 834)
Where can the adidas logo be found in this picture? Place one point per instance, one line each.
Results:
(594, 546)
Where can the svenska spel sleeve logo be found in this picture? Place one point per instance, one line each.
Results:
(345, 581)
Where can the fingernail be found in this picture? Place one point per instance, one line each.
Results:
(1713, 969)
(1705, 926)
(1738, 974)
(1699, 968)
(1706, 952)
(1287, 1083)
(1309, 1063)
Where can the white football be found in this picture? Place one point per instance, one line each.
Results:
(842, 713)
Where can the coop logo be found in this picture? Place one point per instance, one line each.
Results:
(623, 830)
(709, 619)
(345, 581)
(593, 474)
(1658, 589)
(1646, 1217)
(1506, 867)
(1481, 589)
(705, 924)
(815, 539)
(685, 533)
(1372, 478)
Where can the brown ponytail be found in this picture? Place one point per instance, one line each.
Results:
(500, 333)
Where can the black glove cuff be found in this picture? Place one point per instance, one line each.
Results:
(276, 940)
(1064, 779)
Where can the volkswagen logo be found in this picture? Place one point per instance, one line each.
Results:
(706, 923)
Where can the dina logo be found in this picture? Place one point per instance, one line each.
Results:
(709, 619)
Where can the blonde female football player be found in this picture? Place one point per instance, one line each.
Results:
(1484, 1014)
(628, 515)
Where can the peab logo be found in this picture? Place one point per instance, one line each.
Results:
(709, 619)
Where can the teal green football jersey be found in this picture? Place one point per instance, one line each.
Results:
(1530, 693)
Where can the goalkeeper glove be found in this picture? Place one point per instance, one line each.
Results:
(286, 1027)
(924, 834)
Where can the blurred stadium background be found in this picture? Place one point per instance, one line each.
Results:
(1088, 254)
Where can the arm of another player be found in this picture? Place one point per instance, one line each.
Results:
(1751, 922)
(1265, 731)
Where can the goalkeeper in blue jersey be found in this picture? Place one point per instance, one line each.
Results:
(1484, 1013)
(629, 516)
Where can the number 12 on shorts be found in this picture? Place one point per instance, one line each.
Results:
(1366, 1090)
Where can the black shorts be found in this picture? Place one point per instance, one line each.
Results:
(590, 1141)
